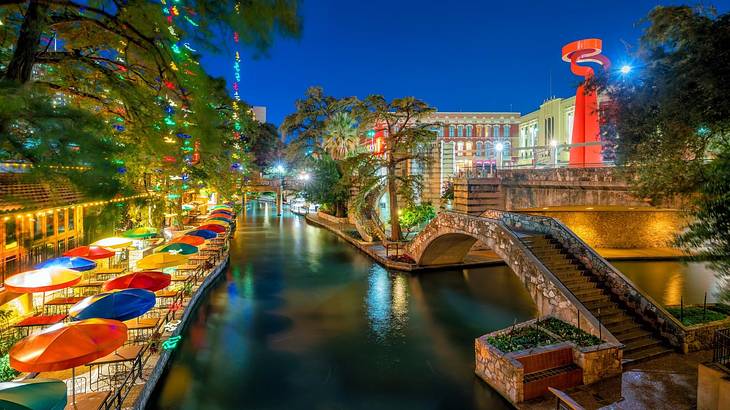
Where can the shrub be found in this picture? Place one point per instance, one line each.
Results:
(569, 332)
(521, 339)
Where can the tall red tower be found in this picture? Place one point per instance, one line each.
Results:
(585, 123)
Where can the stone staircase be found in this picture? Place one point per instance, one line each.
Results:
(640, 342)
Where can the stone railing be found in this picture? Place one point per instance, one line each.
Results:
(649, 310)
(550, 295)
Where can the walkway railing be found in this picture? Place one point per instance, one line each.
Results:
(721, 352)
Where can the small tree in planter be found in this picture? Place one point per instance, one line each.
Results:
(416, 215)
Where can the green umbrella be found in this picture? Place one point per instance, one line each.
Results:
(144, 232)
(46, 394)
(178, 247)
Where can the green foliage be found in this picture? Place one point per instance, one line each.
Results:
(568, 332)
(695, 315)
(341, 138)
(265, 144)
(327, 186)
(6, 372)
(447, 191)
(521, 339)
(416, 215)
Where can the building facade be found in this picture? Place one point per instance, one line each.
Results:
(467, 140)
(545, 134)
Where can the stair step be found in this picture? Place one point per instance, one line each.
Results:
(641, 344)
(632, 335)
(621, 328)
(542, 374)
(587, 293)
(594, 298)
(646, 354)
(593, 306)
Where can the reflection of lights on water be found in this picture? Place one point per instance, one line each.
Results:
(673, 290)
(387, 302)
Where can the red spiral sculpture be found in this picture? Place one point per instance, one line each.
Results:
(585, 122)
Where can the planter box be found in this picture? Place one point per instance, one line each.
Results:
(702, 335)
(331, 218)
(526, 374)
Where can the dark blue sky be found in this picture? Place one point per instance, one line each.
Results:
(463, 55)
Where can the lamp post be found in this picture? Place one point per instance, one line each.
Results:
(498, 148)
(281, 171)
(554, 145)
(304, 177)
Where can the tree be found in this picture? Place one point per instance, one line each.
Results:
(415, 215)
(328, 186)
(407, 142)
(341, 136)
(672, 121)
(265, 144)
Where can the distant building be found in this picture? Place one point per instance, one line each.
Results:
(467, 140)
(259, 113)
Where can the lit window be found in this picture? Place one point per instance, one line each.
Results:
(506, 131)
(468, 147)
(61, 221)
(460, 148)
(11, 236)
(71, 219)
(480, 148)
(460, 131)
(451, 130)
(479, 131)
(49, 225)
(468, 130)
(496, 132)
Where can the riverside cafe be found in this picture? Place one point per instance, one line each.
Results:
(68, 333)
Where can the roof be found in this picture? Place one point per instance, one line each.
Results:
(17, 195)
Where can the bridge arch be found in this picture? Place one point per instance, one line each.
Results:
(448, 238)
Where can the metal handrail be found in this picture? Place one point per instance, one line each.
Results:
(721, 350)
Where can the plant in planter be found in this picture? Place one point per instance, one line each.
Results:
(520, 339)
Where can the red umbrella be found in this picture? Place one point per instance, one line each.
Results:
(150, 280)
(212, 227)
(67, 345)
(90, 252)
(189, 239)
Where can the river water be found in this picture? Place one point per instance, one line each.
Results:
(304, 320)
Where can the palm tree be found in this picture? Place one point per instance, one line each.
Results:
(341, 138)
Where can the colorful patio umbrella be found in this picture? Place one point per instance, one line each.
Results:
(213, 227)
(216, 222)
(117, 304)
(203, 233)
(69, 262)
(150, 280)
(228, 207)
(33, 394)
(114, 242)
(161, 260)
(218, 218)
(90, 252)
(142, 233)
(220, 214)
(223, 211)
(42, 280)
(178, 248)
(190, 240)
(67, 345)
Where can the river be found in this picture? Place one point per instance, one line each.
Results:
(304, 320)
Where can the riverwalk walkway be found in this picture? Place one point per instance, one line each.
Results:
(475, 258)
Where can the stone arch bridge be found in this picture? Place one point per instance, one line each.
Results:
(564, 276)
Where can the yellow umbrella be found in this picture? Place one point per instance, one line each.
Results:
(161, 260)
(114, 242)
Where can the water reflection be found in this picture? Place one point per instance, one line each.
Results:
(669, 281)
(302, 320)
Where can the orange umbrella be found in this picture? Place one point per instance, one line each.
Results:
(90, 252)
(42, 280)
(189, 239)
(68, 345)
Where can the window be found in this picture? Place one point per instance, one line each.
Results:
(468, 130)
(506, 130)
(50, 231)
(61, 221)
(71, 243)
(460, 148)
(440, 131)
(61, 248)
(480, 148)
(496, 132)
(451, 130)
(469, 147)
(71, 218)
(460, 131)
(37, 228)
(479, 131)
(11, 236)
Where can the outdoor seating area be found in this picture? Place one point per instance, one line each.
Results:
(95, 326)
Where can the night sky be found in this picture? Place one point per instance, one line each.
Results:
(463, 55)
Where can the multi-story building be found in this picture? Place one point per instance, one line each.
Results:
(467, 140)
(545, 132)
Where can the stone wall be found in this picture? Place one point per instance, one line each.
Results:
(650, 311)
(702, 336)
(501, 371)
(598, 362)
(332, 219)
(641, 228)
(448, 238)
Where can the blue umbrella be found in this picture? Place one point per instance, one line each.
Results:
(69, 262)
(203, 233)
(117, 304)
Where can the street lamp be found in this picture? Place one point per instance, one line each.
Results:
(281, 171)
(625, 69)
(554, 145)
(499, 147)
